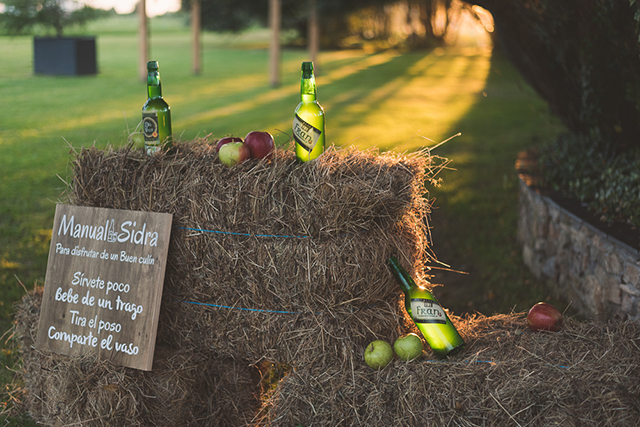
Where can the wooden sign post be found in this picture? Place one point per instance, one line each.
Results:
(103, 285)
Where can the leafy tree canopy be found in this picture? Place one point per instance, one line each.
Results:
(232, 15)
(23, 16)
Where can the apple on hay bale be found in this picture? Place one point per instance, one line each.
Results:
(233, 153)
(408, 347)
(378, 354)
(261, 144)
(546, 317)
(227, 140)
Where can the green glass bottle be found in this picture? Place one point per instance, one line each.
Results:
(308, 121)
(426, 312)
(156, 114)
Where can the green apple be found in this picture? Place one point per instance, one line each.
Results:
(227, 140)
(378, 354)
(233, 153)
(408, 347)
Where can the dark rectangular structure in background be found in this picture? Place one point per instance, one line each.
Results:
(69, 56)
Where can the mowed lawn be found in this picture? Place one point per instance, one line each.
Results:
(392, 100)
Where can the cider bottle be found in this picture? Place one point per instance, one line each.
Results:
(308, 121)
(156, 113)
(427, 313)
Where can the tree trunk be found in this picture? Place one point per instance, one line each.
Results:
(143, 41)
(195, 34)
(314, 35)
(274, 50)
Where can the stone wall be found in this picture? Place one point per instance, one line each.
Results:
(597, 273)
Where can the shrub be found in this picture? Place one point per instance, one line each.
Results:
(589, 169)
(581, 56)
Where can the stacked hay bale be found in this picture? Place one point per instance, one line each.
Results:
(275, 259)
(271, 260)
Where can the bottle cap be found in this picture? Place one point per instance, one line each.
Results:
(152, 65)
(307, 66)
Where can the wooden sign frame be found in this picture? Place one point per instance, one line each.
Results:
(103, 284)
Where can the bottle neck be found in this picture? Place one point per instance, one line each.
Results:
(402, 277)
(154, 88)
(308, 87)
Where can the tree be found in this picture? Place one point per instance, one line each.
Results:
(429, 11)
(22, 16)
(232, 15)
(582, 57)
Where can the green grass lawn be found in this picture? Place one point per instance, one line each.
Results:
(390, 100)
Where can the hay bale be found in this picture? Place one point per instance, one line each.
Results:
(287, 257)
(586, 375)
(184, 388)
(344, 191)
(336, 335)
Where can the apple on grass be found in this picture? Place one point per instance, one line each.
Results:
(408, 347)
(378, 354)
(260, 144)
(543, 316)
(233, 153)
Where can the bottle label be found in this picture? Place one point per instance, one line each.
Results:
(427, 311)
(150, 131)
(305, 134)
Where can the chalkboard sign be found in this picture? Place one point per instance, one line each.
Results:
(103, 285)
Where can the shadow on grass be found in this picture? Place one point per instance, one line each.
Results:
(476, 215)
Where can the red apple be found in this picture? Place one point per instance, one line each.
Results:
(226, 140)
(543, 316)
(260, 144)
(233, 153)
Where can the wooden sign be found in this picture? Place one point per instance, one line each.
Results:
(104, 282)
